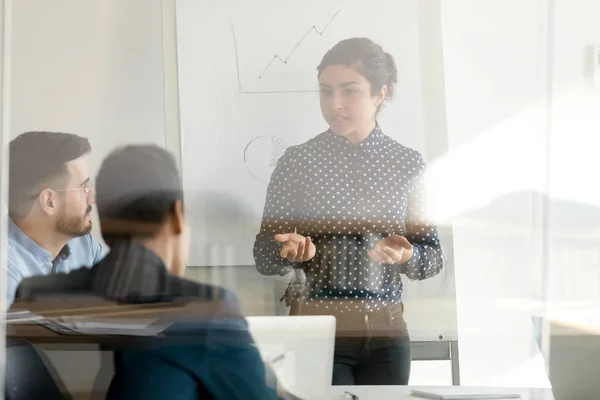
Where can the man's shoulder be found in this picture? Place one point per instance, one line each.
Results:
(18, 258)
(13, 247)
(84, 250)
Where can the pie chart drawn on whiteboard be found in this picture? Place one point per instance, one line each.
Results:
(261, 155)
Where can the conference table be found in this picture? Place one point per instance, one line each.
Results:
(434, 332)
(431, 338)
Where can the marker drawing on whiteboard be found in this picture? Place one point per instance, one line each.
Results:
(276, 57)
(261, 155)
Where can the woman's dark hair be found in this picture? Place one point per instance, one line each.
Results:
(368, 58)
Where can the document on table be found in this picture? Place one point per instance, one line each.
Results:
(21, 317)
(89, 325)
(106, 326)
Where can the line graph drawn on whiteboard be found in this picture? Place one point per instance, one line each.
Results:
(285, 60)
(281, 56)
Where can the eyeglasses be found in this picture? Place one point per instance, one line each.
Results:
(87, 188)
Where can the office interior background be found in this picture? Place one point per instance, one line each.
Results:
(505, 100)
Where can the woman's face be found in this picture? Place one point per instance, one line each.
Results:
(347, 103)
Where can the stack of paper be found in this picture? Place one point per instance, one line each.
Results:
(105, 326)
(89, 325)
(21, 317)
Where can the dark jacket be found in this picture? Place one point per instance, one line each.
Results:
(206, 351)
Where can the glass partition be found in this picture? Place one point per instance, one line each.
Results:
(376, 195)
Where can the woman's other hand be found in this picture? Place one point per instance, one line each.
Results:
(394, 249)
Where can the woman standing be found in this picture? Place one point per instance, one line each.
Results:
(344, 211)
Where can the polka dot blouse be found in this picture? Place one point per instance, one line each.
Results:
(347, 197)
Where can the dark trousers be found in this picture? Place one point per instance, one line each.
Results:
(371, 348)
(372, 361)
(381, 355)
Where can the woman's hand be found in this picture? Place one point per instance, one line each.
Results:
(394, 249)
(296, 248)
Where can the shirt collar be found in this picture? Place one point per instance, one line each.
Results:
(373, 144)
(40, 254)
(64, 253)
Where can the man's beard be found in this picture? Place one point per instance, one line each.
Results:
(74, 226)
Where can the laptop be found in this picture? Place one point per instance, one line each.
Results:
(300, 350)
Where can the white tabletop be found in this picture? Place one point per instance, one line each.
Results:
(404, 392)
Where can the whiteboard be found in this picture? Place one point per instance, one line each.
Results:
(248, 89)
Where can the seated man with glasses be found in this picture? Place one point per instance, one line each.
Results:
(50, 203)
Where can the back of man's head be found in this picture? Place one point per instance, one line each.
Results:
(137, 188)
(38, 159)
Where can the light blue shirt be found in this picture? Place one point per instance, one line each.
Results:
(26, 258)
